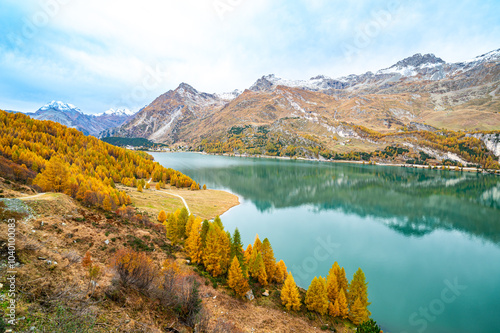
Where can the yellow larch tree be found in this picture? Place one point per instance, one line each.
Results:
(290, 296)
(281, 272)
(247, 255)
(257, 244)
(194, 246)
(358, 289)
(316, 298)
(358, 313)
(162, 216)
(332, 286)
(343, 306)
(236, 279)
(269, 259)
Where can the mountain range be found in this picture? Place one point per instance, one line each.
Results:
(71, 116)
(422, 92)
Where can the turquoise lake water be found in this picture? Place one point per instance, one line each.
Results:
(428, 241)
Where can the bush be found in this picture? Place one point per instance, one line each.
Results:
(134, 268)
(369, 326)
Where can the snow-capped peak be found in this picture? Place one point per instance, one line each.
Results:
(115, 112)
(59, 106)
(492, 55)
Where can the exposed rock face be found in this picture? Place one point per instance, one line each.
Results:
(71, 116)
(492, 142)
(421, 92)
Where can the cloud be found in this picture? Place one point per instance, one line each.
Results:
(96, 54)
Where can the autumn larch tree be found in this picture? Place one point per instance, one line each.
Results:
(269, 259)
(139, 188)
(358, 313)
(332, 286)
(281, 272)
(194, 246)
(290, 296)
(247, 255)
(343, 306)
(54, 177)
(358, 289)
(257, 244)
(236, 279)
(162, 216)
(316, 298)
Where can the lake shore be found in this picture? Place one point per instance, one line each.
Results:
(414, 166)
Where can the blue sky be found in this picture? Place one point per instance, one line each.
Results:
(112, 54)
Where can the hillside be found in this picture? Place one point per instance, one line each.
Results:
(401, 105)
(96, 251)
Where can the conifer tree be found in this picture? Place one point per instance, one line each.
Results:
(171, 227)
(333, 308)
(237, 246)
(106, 203)
(257, 244)
(193, 243)
(54, 177)
(280, 274)
(182, 217)
(247, 255)
(342, 281)
(290, 296)
(358, 289)
(343, 306)
(139, 188)
(316, 298)
(332, 287)
(358, 313)
(218, 222)
(204, 230)
(236, 279)
(261, 270)
(162, 216)
(269, 259)
(158, 186)
(211, 258)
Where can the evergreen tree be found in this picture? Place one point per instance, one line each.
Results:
(204, 230)
(218, 222)
(343, 306)
(182, 218)
(237, 246)
(269, 260)
(236, 279)
(342, 281)
(316, 298)
(261, 270)
(290, 296)
(139, 188)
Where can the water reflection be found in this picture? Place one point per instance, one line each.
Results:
(413, 202)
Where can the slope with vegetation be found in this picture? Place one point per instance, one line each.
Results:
(89, 261)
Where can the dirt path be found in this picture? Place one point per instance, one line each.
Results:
(178, 196)
(175, 195)
(31, 196)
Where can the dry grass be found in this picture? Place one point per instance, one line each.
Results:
(204, 203)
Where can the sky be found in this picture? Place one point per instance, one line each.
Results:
(102, 54)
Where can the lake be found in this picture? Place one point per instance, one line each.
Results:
(428, 241)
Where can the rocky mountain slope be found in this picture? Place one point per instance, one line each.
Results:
(422, 92)
(71, 116)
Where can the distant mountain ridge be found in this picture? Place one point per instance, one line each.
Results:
(71, 116)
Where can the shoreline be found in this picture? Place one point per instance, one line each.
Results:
(411, 166)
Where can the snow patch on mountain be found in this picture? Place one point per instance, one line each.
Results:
(59, 106)
(115, 112)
